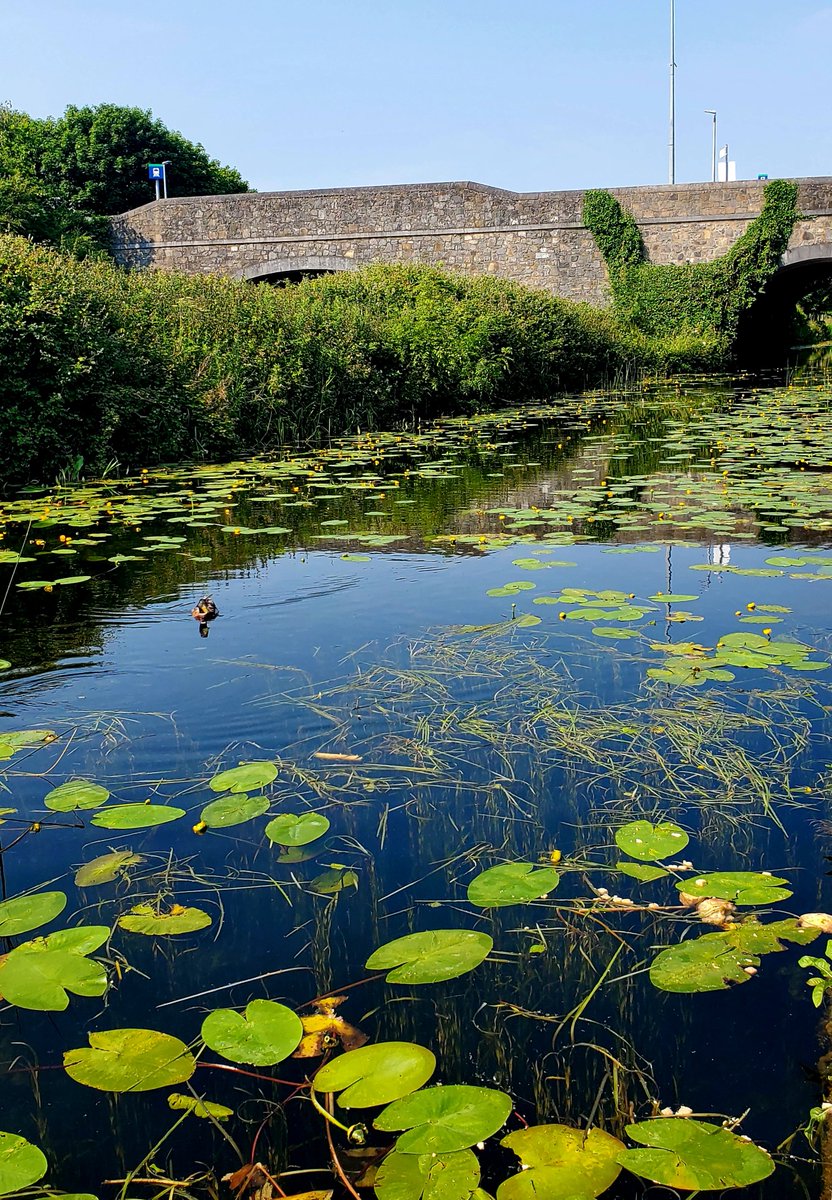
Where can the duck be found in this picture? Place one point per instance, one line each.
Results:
(205, 610)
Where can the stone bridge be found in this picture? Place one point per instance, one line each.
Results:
(534, 238)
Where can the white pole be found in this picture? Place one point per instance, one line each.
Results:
(156, 181)
(672, 145)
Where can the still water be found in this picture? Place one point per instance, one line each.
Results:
(497, 640)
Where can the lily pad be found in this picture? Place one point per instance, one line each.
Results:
(22, 914)
(376, 1074)
(130, 1060)
(716, 961)
(205, 1109)
(431, 957)
(694, 1155)
(742, 887)
(21, 1163)
(289, 829)
(641, 871)
(40, 973)
(511, 883)
(106, 868)
(137, 816)
(76, 794)
(156, 922)
(561, 1163)
(247, 777)
(428, 1176)
(266, 1034)
(648, 842)
(440, 1120)
(674, 597)
(234, 809)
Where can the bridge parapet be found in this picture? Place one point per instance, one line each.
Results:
(535, 238)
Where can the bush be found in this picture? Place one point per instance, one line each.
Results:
(99, 364)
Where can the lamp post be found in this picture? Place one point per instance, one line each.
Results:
(166, 163)
(712, 113)
(672, 144)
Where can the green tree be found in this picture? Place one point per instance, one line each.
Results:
(60, 178)
(97, 159)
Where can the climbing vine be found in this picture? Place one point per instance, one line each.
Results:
(705, 298)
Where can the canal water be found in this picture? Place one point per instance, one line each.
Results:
(502, 639)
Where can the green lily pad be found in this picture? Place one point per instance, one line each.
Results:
(106, 868)
(440, 1120)
(561, 1163)
(137, 816)
(76, 794)
(22, 914)
(641, 871)
(376, 1074)
(742, 887)
(432, 956)
(428, 1176)
(511, 883)
(511, 589)
(153, 922)
(648, 842)
(67, 580)
(673, 597)
(694, 1155)
(12, 740)
(130, 1060)
(21, 1163)
(205, 1109)
(718, 960)
(234, 809)
(266, 1034)
(617, 635)
(246, 778)
(4, 664)
(39, 974)
(289, 829)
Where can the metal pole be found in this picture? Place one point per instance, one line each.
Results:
(711, 113)
(156, 181)
(672, 145)
(165, 166)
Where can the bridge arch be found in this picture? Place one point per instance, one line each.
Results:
(292, 270)
(768, 328)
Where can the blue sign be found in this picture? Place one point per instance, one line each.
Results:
(762, 176)
(156, 171)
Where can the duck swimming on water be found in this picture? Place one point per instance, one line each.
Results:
(204, 610)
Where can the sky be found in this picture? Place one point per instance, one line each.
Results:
(528, 95)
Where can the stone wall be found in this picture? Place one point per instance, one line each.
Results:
(536, 238)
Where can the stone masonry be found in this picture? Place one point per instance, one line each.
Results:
(535, 238)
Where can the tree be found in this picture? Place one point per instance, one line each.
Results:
(60, 178)
(97, 158)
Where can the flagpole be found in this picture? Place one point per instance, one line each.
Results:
(672, 143)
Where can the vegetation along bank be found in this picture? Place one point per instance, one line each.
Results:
(102, 366)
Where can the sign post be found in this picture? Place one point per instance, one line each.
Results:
(156, 173)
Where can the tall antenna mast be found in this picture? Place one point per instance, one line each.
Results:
(672, 143)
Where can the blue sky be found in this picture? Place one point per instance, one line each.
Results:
(541, 94)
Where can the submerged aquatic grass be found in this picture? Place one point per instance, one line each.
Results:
(414, 815)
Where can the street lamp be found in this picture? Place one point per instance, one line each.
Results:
(672, 145)
(712, 113)
(168, 163)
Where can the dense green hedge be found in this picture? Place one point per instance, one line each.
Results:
(700, 298)
(103, 365)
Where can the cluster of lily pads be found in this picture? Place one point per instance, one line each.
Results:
(439, 1128)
